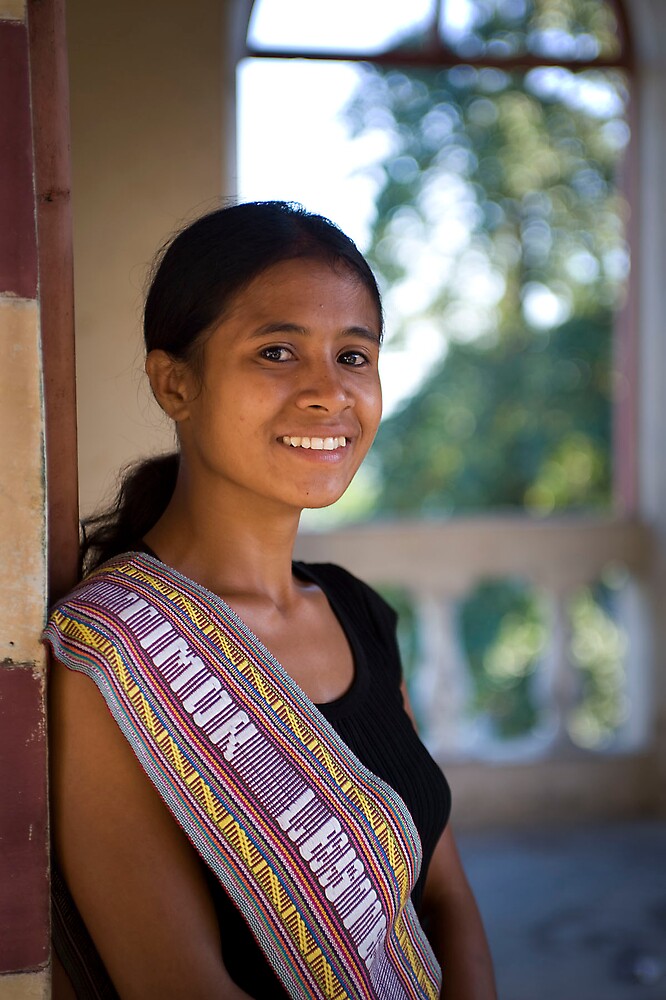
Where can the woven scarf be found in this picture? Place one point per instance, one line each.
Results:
(319, 855)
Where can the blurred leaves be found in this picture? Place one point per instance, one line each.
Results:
(500, 235)
(503, 632)
(519, 424)
(490, 172)
(598, 649)
(561, 29)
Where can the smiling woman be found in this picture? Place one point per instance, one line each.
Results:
(286, 831)
(295, 356)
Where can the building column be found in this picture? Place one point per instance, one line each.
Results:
(37, 415)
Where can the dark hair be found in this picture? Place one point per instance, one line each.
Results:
(194, 280)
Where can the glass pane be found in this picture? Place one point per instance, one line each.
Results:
(365, 26)
(556, 29)
(499, 242)
(295, 144)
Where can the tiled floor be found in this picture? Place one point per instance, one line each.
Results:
(576, 913)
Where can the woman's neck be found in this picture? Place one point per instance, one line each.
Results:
(230, 545)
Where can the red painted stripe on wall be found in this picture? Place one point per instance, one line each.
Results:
(18, 244)
(24, 899)
(50, 116)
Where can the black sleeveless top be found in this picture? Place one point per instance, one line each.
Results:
(371, 719)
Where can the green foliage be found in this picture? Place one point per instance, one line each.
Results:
(496, 174)
(498, 189)
(561, 28)
(598, 648)
(503, 634)
(496, 193)
(514, 425)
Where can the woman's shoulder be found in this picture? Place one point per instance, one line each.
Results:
(76, 617)
(103, 573)
(349, 590)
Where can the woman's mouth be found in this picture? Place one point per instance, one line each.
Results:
(315, 443)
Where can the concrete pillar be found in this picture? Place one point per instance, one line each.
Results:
(24, 913)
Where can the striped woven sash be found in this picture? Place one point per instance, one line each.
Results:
(319, 854)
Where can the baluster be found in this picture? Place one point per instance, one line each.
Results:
(557, 685)
(442, 687)
(633, 619)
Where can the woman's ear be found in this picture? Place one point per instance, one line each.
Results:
(171, 382)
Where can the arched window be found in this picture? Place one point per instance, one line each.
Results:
(475, 151)
(478, 153)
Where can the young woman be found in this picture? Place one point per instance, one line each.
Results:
(241, 805)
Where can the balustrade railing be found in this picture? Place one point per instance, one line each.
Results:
(438, 563)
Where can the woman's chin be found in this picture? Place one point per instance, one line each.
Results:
(319, 503)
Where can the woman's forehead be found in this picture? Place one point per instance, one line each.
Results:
(303, 283)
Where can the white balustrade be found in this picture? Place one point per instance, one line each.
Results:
(438, 562)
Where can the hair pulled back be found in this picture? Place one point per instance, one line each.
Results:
(194, 281)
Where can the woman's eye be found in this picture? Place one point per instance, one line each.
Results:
(275, 353)
(354, 359)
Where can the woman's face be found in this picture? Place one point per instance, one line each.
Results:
(290, 399)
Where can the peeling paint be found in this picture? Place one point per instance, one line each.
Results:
(55, 194)
(17, 300)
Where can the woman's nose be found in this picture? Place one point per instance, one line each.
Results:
(324, 386)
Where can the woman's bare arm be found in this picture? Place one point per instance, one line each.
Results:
(454, 927)
(133, 874)
(452, 920)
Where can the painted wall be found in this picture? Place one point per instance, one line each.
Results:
(149, 101)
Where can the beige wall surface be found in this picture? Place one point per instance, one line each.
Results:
(147, 111)
(22, 515)
(28, 986)
(12, 10)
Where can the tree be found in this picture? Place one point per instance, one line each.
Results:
(497, 218)
(521, 423)
(499, 231)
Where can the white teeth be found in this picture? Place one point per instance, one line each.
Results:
(316, 443)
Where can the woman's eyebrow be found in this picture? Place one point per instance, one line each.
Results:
(270, 328)
(293, 328)
(363, 331)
